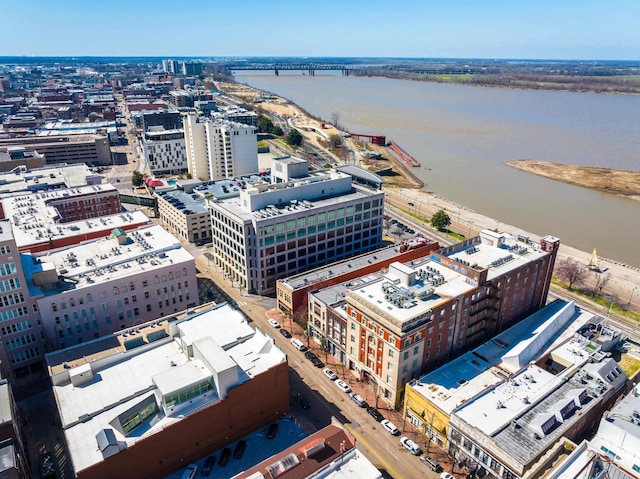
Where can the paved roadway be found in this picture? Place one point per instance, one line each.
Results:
(327, 400)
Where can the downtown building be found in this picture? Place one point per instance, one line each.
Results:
(57, 298)
(416, 316)
(164, 151)
(146, 401)
(219, 149)
(266, 230)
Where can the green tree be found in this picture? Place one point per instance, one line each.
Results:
(277, 131)
(137, 178)
(294, 137)
(440, 220)
(264, 124)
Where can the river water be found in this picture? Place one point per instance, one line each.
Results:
(465, 134)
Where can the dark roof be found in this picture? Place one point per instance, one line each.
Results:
(337, 441)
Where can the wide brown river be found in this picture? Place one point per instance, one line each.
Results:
(465, 134)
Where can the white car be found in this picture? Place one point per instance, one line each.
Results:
(446, 475)
(411, 446)
(273, 323)
(342, 386)
(390, 427)
(330, 374)
(359, 400)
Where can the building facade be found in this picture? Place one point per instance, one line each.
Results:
(178, 388)
(21, 328)
(422, 313)
(185, 215)
(111, 284)
(220, 149)
(89, 149)
(297, 221)
(165, 151)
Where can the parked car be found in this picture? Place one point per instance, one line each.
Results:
(302, 401)
(317, 362)
(272, 431)
(190, 472)
(47, 466)
(446, 475)
(225, 455)
(239, 450)
(310, 355)
(410, 446)
(285, 333)
(390, 427)
(410, 203)
(431, 463)
(273, 322)
(359, 400)
(342, 386)
(299, 345)
(330, 374)
(208, 465)
(375, 414)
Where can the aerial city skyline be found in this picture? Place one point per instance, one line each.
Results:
(300, 240)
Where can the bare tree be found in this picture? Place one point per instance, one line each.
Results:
(571, 271)
(335, 119)
(601, 281)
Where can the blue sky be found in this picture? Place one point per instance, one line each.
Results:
(558, 29)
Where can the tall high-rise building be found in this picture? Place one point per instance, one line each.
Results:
(219, 149)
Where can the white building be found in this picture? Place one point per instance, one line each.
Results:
(110, 284)
(165, 151)
(618, 435)
(125, 397)
(219, 149)
(263, 231)
(505, 431)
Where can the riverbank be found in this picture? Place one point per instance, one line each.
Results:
(317, 131)
(607, 180)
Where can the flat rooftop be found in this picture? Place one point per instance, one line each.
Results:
(61, 176)
(123, 379)
(336, 269)
(526, 414)
(39, 227)
(509, 255)
(439, 284)
(146, 248)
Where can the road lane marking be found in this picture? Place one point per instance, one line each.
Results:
(387, 466)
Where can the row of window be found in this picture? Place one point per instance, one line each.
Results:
(10, 314)
(7, 268)
(19, 342)
(24, 355)
(11, 299)
(10, 284)
(16, 327)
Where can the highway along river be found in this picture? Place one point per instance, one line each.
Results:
(464, 134)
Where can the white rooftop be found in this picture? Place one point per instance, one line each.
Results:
(445, 282)
(67, 176)
(498, 252)
(493, 411)
(458, 381)
(124, 379)
(102, 260)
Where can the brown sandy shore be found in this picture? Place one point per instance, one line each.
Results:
(617, 182)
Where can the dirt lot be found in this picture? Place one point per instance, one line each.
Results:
(618, 182)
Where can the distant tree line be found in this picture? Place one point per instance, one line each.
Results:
(597, 82)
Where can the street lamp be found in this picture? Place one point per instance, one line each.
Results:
(631, 297)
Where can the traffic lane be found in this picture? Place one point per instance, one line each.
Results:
(380, 447)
